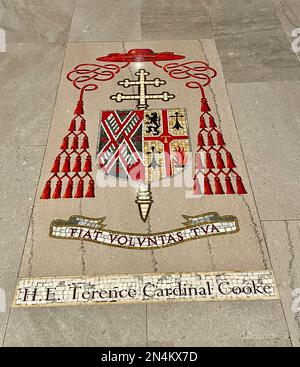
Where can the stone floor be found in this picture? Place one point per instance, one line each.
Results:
(262, 78)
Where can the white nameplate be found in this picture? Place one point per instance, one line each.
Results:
(131, 288)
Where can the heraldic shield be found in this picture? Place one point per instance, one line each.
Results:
(143, 145)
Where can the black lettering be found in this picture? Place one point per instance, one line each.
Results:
(73, 231)
(171, 239)
(180, 236)
(50, 294)
(141, 240)
(28, 294)
(85, 295)
(145, 290)
(97, 234)
(195, 231)
(74, 291)
(121, 240)
(266, 288)
(152, 241)
(87, 235)
(214, 228)
(221, 290)
(113, 237)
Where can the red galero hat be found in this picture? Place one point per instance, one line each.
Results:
(140, 55)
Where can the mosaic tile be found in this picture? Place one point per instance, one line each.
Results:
(146, 288)
(110, 180)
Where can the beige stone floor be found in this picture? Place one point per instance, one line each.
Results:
(256, 99)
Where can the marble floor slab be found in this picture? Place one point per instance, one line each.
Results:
(258, 57)
(171, 19)
(106, 20)
(242, 17)
(283, 239)
(267, 118)
(29, 80)
(33, 21)
(216, 323)
(18, 186)
(252, 45)
(115, 325)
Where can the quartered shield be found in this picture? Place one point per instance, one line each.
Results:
(143, 145)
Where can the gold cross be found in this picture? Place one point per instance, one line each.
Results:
(142, 95)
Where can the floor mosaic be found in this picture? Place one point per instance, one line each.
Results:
(156, 168)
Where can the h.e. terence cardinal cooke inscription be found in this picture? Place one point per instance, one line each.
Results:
(93, 229)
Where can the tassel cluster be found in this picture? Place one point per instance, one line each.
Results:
(213, 160)
(215, 186)
(71, 168)
(67, 192)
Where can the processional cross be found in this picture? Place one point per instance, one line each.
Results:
(144, 195)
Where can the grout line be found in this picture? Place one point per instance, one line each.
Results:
(282, 26)
(71, 21)
(211, 24)
(282, 5)
(4, 12)
(280, 220)
(280, 298)
(145, 40)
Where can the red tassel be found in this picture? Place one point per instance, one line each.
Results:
(200, 140)
(220, 162)
(65, 143)
(88, 164)
(75, 143)
(220, 139)
(209, 161)
(198, 162)
(82, 125)
(57, 190)
(79, 191)
(47, 191)
(218, 186)
(91, 189)
(212, 121)
(72, 126)
(69, 190)
(85, 142)
(207, 187)
(204, 105)
(240, 188)
(230, 161)
(79, 108)
(202, 122)
(55, 167)
(66, 166)
(196, 187)
(210, 140)
(229, 187)
(77, 164)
